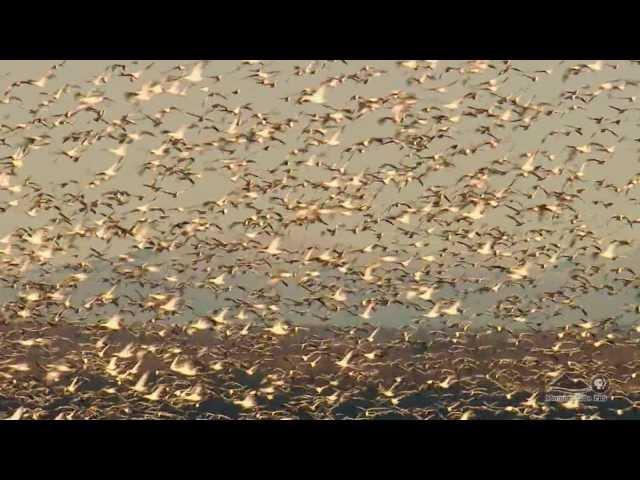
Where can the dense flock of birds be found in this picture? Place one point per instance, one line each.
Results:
(318, 240)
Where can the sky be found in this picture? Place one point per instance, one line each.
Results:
(444, 91)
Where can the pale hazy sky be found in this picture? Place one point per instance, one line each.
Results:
(48, 168)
